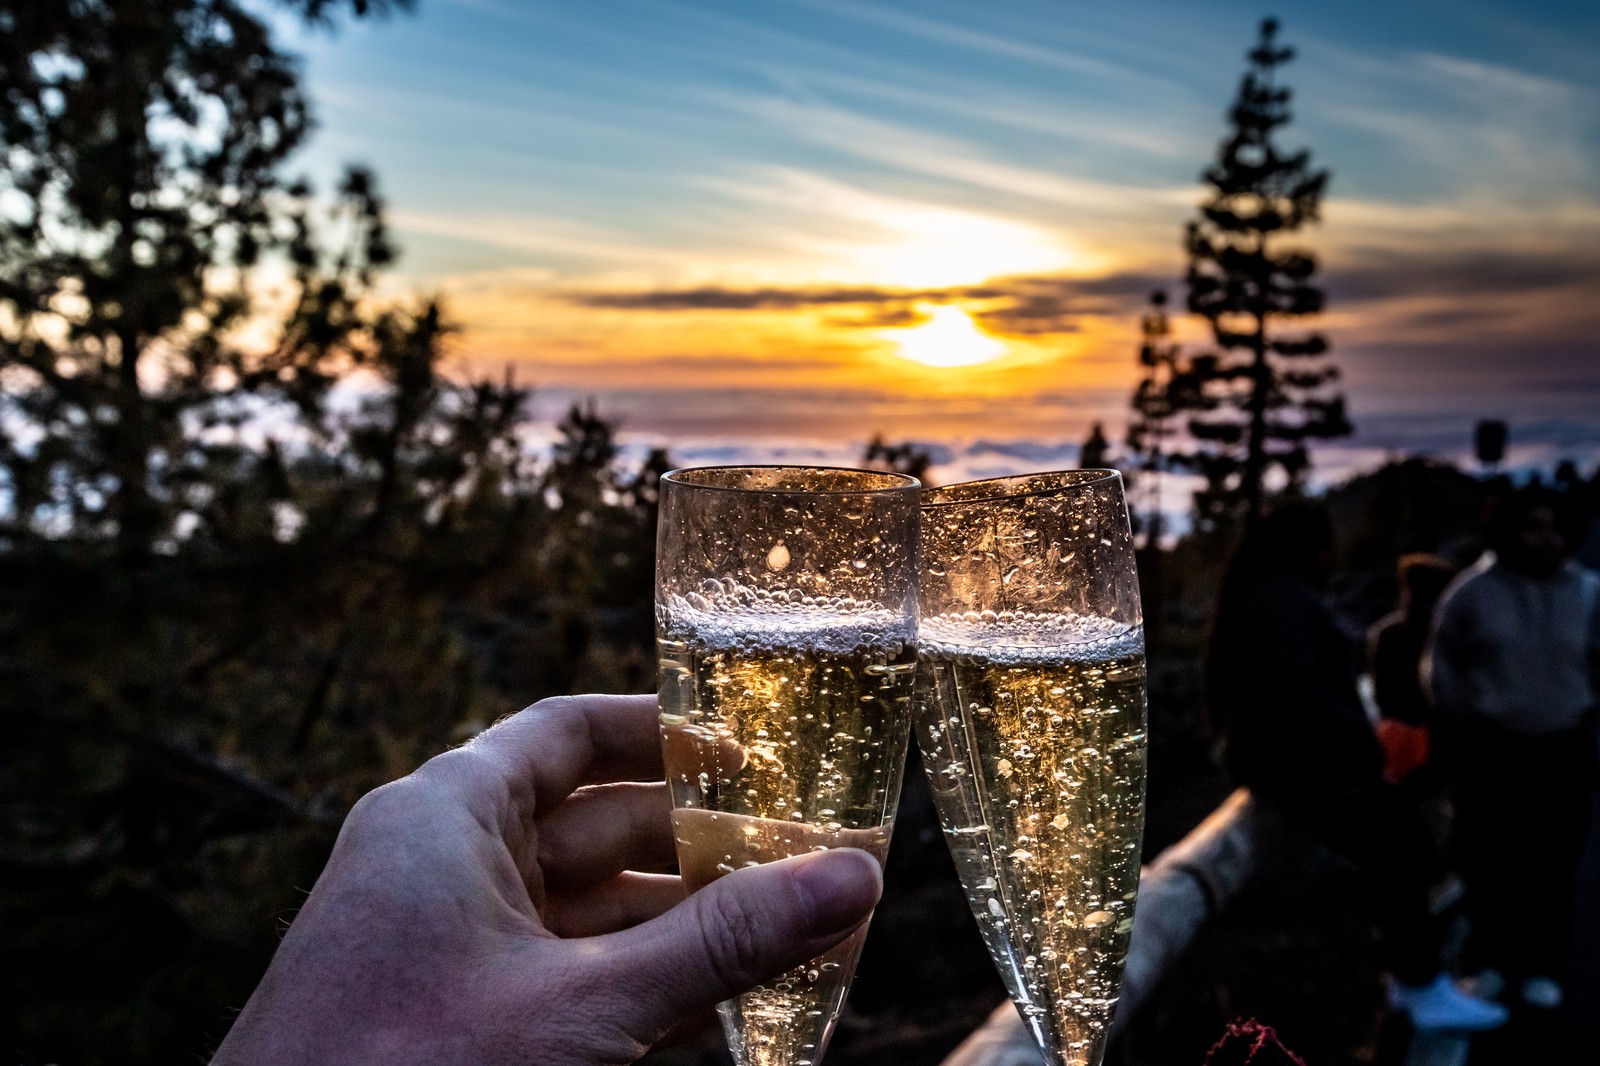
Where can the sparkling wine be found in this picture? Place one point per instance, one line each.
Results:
(784, 728)
(1039, 720)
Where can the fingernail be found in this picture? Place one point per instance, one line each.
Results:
(841, 885)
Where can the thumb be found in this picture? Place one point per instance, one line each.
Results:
(741, 930)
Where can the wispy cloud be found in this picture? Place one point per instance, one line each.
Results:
(1444, 128)
(762, 299)
(1039, 305)
(946, 158)
(1497, 85)
(981, 102)
(991, 44)
(532, 233)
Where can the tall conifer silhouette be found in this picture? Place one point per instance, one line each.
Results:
(1264, 393)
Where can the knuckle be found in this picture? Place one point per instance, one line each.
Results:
(733, 931)
(554, 706)
(382, 807)
(396, 808)
(649, 814)
(459, 774)
(598, 1027)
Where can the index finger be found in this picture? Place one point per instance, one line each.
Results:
(543, 753)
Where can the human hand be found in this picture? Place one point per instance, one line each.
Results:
(488, 909)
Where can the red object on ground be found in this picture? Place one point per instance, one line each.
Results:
(1249, 1043)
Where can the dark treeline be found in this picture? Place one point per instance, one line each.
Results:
(260, 550)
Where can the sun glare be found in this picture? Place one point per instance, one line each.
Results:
(935, 246)
(949, 337)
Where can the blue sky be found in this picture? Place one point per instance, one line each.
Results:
(596, 188)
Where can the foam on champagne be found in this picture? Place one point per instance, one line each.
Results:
(726, 614)
(1016, 638)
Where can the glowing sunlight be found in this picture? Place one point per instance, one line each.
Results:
(930, 246)
(948, 337)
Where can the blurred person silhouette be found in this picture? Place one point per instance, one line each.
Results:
(1396, 643)
(1512, 670)
(1281, 682)
(495, 907)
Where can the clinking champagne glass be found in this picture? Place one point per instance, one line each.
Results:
(786, 621)
(1031, 720)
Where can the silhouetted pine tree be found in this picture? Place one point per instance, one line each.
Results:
(1263, 394)
(1167, 388)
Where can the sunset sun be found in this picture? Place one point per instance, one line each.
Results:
(948, 337)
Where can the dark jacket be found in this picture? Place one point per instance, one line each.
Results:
(1394, 655)
(1294, 725)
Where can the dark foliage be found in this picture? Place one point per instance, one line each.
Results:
(259, 550)
(907, 458)
(1166, 388)
(1259, 399)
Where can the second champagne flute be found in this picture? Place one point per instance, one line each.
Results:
(786, 622)
(1031, 720)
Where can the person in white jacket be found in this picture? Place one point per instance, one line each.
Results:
(1512, 672)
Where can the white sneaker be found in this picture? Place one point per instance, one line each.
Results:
(1440, 1005)
(1542, 992)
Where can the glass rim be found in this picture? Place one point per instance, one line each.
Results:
(990, 490)
(887, 482)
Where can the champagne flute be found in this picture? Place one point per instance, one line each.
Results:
(1031, 719)
(786, 622)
